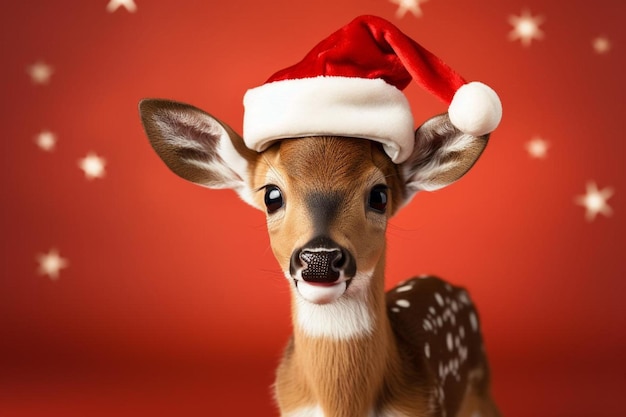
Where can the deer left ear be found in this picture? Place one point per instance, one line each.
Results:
(442, 155)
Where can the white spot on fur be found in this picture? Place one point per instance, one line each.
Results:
(404, 288)
(473, 321)
(447, 315)
(427, 350)
(463, 353)
(439, 299)
(395, 309)
(449, 342)
(403, 303)
(464, 298)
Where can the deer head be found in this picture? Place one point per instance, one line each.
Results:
(327, 199)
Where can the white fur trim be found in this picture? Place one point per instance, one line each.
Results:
(338, 106)
(475, 109)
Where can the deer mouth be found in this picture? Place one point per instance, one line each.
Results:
(321, 292)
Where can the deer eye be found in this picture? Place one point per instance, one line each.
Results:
(377, 200)
(273, 199)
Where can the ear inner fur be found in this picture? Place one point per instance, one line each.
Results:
(442, 155)
(198, 147)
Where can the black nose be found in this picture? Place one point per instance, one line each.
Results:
(322, 261)
(321, 265)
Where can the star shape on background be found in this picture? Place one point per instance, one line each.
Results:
(412, 6)
(40, 72)
(595, 201)
(601, 45)
(92, 165)
(51, 263)
(46, 140)
(526, 28)
(115, 4)
(537, 148)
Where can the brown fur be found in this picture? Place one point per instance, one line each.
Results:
(345, 378)
(388, 370)
(357, 165)
(348, 378)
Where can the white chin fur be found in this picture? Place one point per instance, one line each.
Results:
(320, 294)
(338, 312)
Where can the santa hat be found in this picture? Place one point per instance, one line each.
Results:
(350, 85)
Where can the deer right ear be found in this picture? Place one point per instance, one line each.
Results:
(197, 146)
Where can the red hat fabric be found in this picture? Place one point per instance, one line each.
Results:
(350, 85)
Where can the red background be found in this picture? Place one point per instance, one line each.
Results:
(172, 303)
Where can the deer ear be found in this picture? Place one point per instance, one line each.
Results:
(197, 146)
(442, 155)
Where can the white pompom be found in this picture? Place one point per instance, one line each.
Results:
(475, 109)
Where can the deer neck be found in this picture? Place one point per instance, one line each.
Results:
(341, 369)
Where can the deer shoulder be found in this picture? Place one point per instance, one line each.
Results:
(438, 330)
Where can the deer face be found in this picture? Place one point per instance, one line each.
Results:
(327, 199)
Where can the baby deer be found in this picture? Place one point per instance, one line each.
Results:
(329, 152)
(355, 351)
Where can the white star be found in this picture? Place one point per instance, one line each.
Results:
(537, 148)
(601, 45)
(412, 6)
(51, 263)
(595, 201)
(115, 4)
(525, 28)
(40, 72)
(46, 140)
(93, 165)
